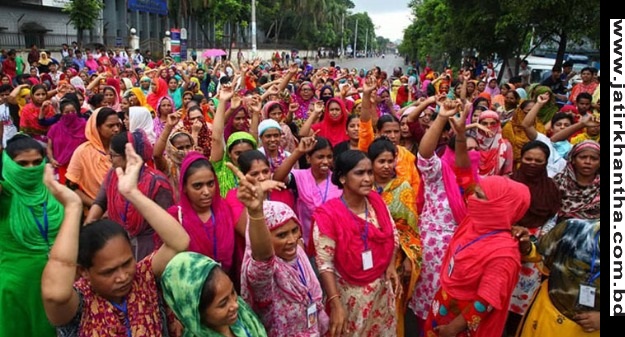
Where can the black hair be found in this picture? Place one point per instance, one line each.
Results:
(240, 141)
(583, 95)
(94, 236)
(562, 115)
(586, 69)
(69, 99)
(96, 100)
(322, 143)
(515, 79)
(197, 98)
(451, 143)
(21, 143)
(535, 144)
(247, 158)
(208, 291)
(349, 119)
(109, 88)
(379, 146)
(195, 166)
(525, 103)
(118, 143)
(344, 163)
(193, 108)
(103, 115)
(513, 92)
(478, 100)
(386, 119)
(5, 88)
(36, 87)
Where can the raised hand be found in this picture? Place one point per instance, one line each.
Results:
(128, 178)
(226, 92)
(60, 192)
(542, 99)
(293, 69)
(251, 192)
(307, 144)
(293, 106)
(273, 90)
(369, 85)
(318, 108)
(235, 102)
(458, 124)
(173, 119)
(448, 108)
(254, 104)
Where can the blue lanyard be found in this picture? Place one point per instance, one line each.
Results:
(325, 195)
(365, 234)
(302, 278)
(461, 248)
(595, 247)
(124, 216)
(124, 309)
(247, 333)
(43, 229)
(214, 234)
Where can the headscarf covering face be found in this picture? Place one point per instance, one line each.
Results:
(183, 281)
(546, 200)
(582, 202)
(26, 199)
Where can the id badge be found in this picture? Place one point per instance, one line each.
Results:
(367, 260)
(311, 315)
(450, 268)
(587, 295)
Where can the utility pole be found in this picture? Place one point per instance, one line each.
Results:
(366, 40)
(342, 33)
(355, 38)
(253, 28)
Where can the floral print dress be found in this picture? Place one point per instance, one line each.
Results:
(436, 226)
(370, 309)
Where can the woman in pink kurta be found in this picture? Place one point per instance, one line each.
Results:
(444, 208)
(283, 288)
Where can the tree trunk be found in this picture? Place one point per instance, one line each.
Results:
(561, 48)
(79, 38)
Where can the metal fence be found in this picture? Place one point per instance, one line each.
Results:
(21, 41)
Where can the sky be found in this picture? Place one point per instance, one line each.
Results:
(390, 17)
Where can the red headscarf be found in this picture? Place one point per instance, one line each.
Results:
(338, 223)
(482, 240)
(160, 92)
(214, 238)
(333, 128)
(151, 181)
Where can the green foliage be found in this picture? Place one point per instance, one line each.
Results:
(83, 13)
(502, 28)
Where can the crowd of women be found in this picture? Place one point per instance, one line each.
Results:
(184, 199)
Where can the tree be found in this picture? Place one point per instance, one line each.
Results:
(83, 14)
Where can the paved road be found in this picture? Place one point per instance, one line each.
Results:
(386, 64)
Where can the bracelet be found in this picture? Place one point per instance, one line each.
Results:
(333, 297)
(257, 219)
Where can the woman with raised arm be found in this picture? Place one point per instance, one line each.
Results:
(30, 218)
(277, 279)
(444, 206)
(313, 186)
(115, 295)
(227, 150)
(356, 245)
(389, 126)
(152, 183)
(176, 145)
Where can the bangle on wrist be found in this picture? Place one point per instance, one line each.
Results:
(333, 297)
